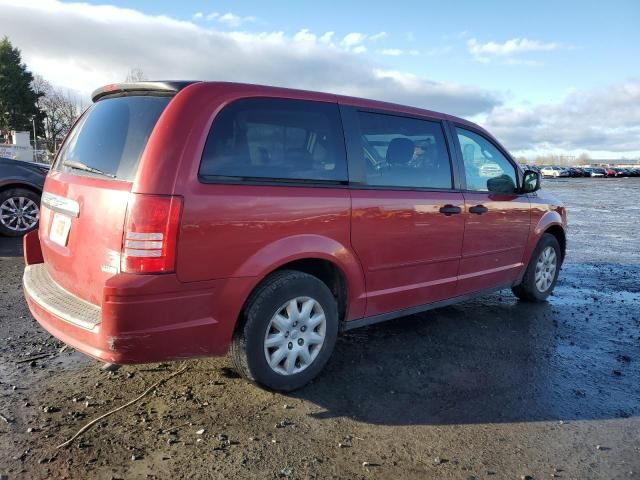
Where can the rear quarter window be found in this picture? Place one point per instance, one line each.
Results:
(275, 139)
(111, 136)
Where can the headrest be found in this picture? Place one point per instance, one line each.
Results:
(468, 152)
(400, 151)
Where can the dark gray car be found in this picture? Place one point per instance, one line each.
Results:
(21, 185)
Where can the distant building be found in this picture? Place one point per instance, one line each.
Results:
(18, 147)
(614, 162)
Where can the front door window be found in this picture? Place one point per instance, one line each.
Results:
(486, 168)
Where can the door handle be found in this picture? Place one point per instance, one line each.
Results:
(449, 210)
(478, 209)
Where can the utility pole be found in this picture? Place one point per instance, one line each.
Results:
(35, 140)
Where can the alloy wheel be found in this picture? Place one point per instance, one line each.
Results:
(19, 214)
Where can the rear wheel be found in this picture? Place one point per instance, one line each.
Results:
(289, 330)
(542, 272)
(19, 211)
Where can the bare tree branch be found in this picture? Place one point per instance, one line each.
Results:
(135, 75)
(61, 109)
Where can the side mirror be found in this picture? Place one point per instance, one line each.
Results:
(530, 181)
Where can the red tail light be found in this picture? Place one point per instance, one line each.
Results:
(151, 234)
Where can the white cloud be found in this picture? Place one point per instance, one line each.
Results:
(392, 52)
(598, 120)
(396, 52)
(378, 36)
(510, 47)
(228, 19)
(350, 40)
(326, 37)
(487, 52)
(234, 21)
(304, 35)
(83, 46)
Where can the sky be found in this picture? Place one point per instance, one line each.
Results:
(545, 77)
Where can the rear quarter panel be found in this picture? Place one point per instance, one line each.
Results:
(248, 231)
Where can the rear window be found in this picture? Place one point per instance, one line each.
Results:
(276, 139)
(111, 136)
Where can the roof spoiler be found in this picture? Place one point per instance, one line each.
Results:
(167, 87)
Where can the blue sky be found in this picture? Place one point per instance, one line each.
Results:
(545, 77)
(597, 42)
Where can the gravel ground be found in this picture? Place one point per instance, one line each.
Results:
(491, 388)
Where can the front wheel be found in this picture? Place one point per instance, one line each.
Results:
(289, 330)
(542, 272)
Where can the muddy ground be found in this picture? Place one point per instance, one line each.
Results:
(491, 388)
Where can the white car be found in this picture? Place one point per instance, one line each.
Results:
(491, 170)
(554, 172)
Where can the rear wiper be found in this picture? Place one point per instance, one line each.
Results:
(86, 168)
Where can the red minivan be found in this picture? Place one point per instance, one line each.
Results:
(186, 219)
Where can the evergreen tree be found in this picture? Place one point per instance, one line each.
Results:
(18, 101)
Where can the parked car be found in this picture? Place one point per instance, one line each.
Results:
(598, 172)
(490, 170)
(622, 172)
(263, 221)
(549, 172)
(610, 172)
(21, 185)
(575, 172)
(554, 172)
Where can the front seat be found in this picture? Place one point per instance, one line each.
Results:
(468, 154)
(399, 154)
(400, 151)
(472, 172)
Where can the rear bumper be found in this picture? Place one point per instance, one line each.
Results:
(143, 318)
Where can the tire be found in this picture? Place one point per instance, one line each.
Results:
(260, 322)
(19, 211)
(535, 289)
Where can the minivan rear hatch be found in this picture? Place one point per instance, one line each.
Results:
(87, 192)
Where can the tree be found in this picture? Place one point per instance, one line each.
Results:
(584, 159)
(60, 110)
(18, 100)
(135, 75)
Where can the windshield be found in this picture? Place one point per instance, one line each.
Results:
(111, 136)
